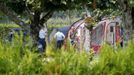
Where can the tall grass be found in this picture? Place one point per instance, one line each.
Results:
(15, 60)
(115, 62)
(18, 60)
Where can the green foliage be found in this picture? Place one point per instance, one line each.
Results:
(98, 14)
(45, 5)
(115, 61)
(105, 4)
(18, 6)
(5, 29)
(68, 63)
(2, 25)
(131, 3)
(15, 60)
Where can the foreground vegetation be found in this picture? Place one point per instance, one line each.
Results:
(16, 59)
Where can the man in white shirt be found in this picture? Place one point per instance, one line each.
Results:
(59, 38)
(42, 42)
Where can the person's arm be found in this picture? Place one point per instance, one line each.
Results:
(63, 36)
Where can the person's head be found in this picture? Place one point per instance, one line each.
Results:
(57, 30)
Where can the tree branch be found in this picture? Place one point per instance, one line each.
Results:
(29, 13)
(46, 17)
(12, 15)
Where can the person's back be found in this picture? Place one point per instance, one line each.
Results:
(42, 34)
(59, 36)
(60, 39)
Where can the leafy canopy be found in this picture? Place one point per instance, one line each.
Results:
(44, 5)
(54, 5)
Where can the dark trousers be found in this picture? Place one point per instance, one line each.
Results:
(60, 43)
(43, 43)
(121, 44)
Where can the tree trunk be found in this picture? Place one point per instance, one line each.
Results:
(132, 13)
(36, 25)
(128, 19)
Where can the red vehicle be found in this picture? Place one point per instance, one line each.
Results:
(106, 31)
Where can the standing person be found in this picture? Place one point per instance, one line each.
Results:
(10, 36)
(42, 42)
(59, 38)
(121, 32)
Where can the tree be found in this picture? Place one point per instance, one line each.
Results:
(127, 7)
(37, 11)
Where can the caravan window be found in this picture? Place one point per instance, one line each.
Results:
(111, 28)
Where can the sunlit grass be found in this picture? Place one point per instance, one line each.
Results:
(9, 25)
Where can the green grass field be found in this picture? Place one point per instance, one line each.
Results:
(8, 25)
(52, 22)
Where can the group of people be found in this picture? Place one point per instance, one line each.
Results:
(12, 32)
(59, 36)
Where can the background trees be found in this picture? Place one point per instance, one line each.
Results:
(127, 8)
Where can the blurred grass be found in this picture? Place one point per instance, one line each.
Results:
(52, 22)
(9, 25)
(16, 59)
(58, 22)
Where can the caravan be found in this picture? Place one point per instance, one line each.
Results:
(106, 31)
